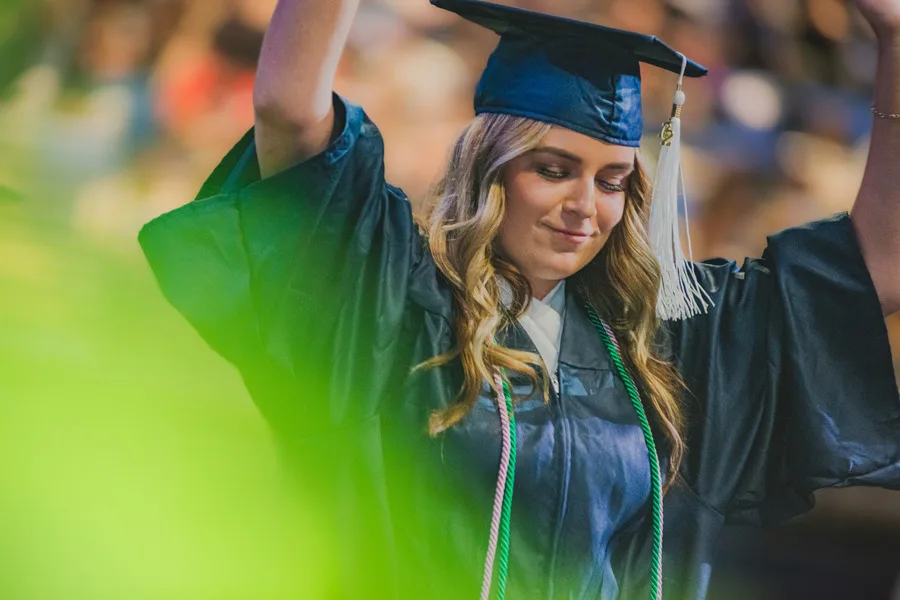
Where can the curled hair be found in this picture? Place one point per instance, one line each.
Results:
(464, 213)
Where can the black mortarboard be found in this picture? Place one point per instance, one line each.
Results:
(578, 75)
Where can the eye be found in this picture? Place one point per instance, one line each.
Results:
(552, 172)
(612, 188)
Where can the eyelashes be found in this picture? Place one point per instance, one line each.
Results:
(556, 174)
(611, 187)
(552, 173)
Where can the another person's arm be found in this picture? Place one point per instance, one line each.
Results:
(294, 80)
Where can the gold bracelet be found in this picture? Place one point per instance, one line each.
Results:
(882, 115)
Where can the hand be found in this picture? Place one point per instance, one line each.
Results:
(882, 15)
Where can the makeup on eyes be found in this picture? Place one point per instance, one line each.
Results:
(613, 167)
(555, 173)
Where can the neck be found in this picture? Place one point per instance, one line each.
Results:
(540, 288)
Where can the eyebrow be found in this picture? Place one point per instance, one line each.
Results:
(622, 167)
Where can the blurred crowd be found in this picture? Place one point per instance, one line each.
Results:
(113, 111)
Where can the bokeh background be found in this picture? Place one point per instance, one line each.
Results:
(132, 463)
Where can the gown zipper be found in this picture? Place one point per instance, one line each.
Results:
(554, 382)
(562, 509)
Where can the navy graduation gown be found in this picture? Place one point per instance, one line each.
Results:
(316, 284)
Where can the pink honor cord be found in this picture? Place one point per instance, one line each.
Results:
(501, 486)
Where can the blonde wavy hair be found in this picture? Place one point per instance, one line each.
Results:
(462, 218)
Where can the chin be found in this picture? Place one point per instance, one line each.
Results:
(562, 269)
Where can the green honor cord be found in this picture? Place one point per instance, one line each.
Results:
(608, 338)
(609, 341)
(503, 544)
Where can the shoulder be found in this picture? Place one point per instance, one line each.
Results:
(429, 289)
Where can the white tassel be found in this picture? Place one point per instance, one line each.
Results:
(680, 295)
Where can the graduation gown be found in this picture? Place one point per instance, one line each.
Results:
(317, 285)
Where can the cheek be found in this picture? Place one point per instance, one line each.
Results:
(528, 200)
(513, 236)
(610, 213)
(530, 196)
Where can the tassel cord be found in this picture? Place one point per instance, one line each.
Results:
(680, 294)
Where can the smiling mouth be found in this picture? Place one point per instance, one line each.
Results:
(569, 234)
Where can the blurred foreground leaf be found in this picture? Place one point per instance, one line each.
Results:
(132, 463)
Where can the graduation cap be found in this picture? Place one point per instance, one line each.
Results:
(587, 78)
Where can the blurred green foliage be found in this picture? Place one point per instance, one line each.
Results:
(132, 463)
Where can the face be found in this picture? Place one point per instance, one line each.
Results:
(563, 200)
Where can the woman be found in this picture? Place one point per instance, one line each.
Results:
(377, 349)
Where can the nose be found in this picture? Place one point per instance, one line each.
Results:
(582, 200)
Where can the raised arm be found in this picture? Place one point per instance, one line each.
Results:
(876, 213)
(293, 92)
(295, 258)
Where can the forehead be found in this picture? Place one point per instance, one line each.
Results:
(588, 149)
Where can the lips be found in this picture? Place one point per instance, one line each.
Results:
(571, 234)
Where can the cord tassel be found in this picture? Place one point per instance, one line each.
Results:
(680, 295)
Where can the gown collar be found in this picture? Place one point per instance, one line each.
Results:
(540, 325)
(578, 343)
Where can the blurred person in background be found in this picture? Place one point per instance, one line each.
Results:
(86, 110)
(386, 356)
(207, 100)
(20, 24)
(105, 108)
(19, 43)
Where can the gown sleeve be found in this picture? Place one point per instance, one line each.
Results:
(791, 381)
(298, 279)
